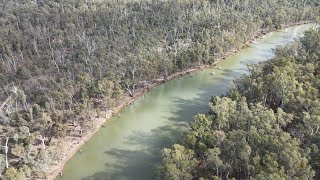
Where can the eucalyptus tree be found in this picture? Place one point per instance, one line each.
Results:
(266, 127)
(67, 59)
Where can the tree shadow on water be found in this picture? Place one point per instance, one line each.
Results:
(138, 164)
(144, 148)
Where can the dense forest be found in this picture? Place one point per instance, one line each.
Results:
(63, 61)
(266, 127)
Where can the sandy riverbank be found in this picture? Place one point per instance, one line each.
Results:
(75, 143)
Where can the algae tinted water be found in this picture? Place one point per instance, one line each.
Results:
(130, 144)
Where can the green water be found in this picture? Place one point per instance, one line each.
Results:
(129, 146)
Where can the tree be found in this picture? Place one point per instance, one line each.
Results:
(179, 163)
(265, 127)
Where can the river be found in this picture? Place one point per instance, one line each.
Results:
(130, 144)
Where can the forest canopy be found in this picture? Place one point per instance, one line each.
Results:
(265, 127)
(64, 61)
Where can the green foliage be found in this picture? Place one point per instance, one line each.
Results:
(268, 126)
(13, 174)
(179, 163)
(62, 60)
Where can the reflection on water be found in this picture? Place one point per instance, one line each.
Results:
(129, 146)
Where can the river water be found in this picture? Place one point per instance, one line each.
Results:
(130, 144)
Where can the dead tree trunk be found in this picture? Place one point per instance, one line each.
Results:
(43, 142)
(6, 149)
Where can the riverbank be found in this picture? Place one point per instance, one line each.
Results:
(72, 149)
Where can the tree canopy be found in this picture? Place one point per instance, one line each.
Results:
(63, 62)
(265, 127)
